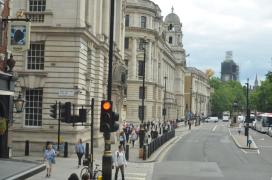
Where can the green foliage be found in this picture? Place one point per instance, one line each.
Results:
(225, 93)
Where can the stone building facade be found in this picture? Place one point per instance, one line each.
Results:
(197, 92)
(164, 57)
(67, 62)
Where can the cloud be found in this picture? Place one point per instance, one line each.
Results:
(212, 27)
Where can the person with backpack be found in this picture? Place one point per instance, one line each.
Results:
(122, 139)
(134, 137)
(119, 162)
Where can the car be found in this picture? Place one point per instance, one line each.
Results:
(212, 119)
(269, 132)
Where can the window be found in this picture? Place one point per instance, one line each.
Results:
(141, 68)
(35, 59)
(126, 42)
(141, 112)
(141, 93)
(33, 107)
(170, 27)
(141, 44)
(127, 21)
(37, 5)
(143, 21)
(170, 40)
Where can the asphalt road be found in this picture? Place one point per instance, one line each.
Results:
(209, 153)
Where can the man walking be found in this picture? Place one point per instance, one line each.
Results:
(80, 150)
(119, 162)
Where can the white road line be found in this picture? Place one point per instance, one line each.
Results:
(214, 128)
(230, 132)
(258, 151)
(244, 151)
(137, 174)
(266, 146)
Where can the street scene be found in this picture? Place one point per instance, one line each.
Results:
(135, 90)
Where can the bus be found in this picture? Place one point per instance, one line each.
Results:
(226, 116)
(263, 122)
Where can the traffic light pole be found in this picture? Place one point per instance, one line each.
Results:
(107, 157)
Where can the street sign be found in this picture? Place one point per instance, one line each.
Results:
(66, 93)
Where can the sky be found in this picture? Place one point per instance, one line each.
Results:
(212, 27)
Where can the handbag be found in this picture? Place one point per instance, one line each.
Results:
(53, 160)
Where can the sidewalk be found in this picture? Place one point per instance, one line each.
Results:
(241, 140)
(136, 166)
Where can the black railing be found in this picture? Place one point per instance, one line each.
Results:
(156, 143)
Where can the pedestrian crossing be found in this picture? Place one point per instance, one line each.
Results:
(137, 171)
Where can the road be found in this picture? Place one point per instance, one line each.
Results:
(209, 153)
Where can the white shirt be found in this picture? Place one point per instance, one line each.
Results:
(119, 158)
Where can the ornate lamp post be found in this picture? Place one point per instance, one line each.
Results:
(19, 103)
(164, 108)
(234, 107)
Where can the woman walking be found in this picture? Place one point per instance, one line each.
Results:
(49, 158)
(120, 162)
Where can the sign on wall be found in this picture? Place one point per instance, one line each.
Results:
(18, 36)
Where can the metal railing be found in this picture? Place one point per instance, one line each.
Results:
(156, 143)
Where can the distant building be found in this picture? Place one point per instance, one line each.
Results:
(229, 69)
(256, 82)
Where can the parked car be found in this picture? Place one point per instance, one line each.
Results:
(212, 119)
(269, 132)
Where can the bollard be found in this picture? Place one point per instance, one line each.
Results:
(87, 151)
(127, 152)
(144, 154)
(99, 178)
(27, 148)
(65, 153)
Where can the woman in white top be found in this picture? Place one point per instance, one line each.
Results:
(120, 162)
(49, 158)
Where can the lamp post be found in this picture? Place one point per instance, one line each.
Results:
(142, 130)
(247, 113)
(164, 108)
(234, 106)
(19, 103)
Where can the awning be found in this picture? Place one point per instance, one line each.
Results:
(6, 93)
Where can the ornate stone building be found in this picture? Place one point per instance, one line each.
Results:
(68, 62)
(164, 57)
(197, 92)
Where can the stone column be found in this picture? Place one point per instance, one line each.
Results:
(133, 60)
(106, 17)
(148, 61)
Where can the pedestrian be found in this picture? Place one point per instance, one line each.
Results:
(120, 162)
(134, 137)
(73, 176)
(122, 138)
(80, 150)
(190, 124)
(49, 159)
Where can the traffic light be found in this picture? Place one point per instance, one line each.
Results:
(82, 115)
(53, 111)
(108, 118)
(65, 112)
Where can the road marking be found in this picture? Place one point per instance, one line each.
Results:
(262, 139)
(244, 151)
(230, 132)
(258, 151)
(214, 128)
(266, 146)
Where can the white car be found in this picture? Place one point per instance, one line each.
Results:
(269, 132)
(212, 119)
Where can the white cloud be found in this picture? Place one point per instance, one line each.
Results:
(211, 27)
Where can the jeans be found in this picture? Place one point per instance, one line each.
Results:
(79, 156)
(122, 172)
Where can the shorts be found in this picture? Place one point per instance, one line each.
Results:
(48, 164)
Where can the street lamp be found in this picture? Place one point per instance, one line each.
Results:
(248, 113)
(164, 108)
(142, 130)
(234, 107)
(19, 103)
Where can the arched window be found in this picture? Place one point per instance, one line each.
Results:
(170, 40)
(170, 27)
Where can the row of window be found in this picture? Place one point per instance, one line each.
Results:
(143, 21)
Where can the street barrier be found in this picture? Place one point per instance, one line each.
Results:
(156, 143)
(87, 150)
(127, 152)
(27, 148)
(65, 149)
